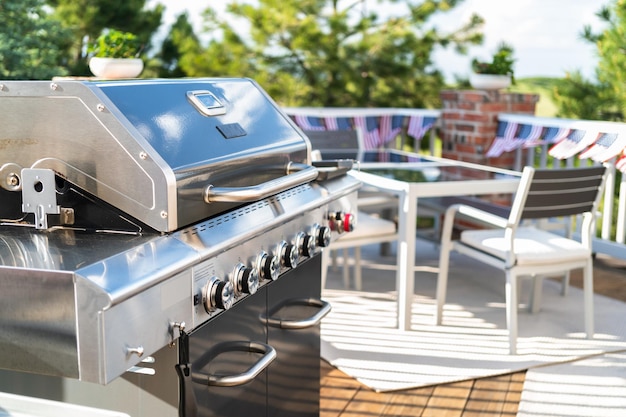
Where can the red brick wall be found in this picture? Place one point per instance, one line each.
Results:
(470, 121)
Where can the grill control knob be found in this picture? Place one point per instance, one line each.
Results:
(335, 220)
(246, 280)
(322, 235)
(289, 255)
(217, 294)
(310, 246)
(300, 243)
(268, 266)
(348, 222)
(341, 222)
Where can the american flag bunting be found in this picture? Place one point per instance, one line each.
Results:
(576, 141)
(309, 122)
(505, 132)
(606, 147)
(390, 127)
(418, 126)
(525, 133)
(369, 128)
(553, 134)
(621, 163)
(337, 123)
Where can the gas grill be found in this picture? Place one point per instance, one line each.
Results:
(163, 236)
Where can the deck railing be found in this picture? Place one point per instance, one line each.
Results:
(581, 143)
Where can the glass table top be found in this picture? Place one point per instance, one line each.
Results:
(415, 168)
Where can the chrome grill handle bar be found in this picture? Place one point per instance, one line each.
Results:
(268, 355)
(302, 174)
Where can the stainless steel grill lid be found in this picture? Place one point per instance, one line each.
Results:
(164, 153)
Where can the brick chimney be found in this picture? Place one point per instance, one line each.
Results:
(470, 120)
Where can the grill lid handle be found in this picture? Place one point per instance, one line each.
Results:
(302, 174)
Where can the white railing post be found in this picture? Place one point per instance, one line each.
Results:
(607, 209)
(621, 212)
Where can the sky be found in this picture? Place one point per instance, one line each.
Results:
(544, 33)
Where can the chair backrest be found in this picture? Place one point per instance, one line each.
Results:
(337, 144)
(546, 193)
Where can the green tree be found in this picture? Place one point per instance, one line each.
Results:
(579, 98)
(605, 97)
(87, 18)
(611, 45)
(180, 42)
(334, 52)
(31, 42)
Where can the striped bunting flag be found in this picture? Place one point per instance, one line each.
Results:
(369, 127)
(576, 141)
(418, 126)
(506, 132)
(621, 163)
(524, 134)
(309, 122)
(337, 123)
(390, 127)
(606, 147)
(553, 134)
(537, 140)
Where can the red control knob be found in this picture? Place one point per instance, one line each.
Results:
(348, 222)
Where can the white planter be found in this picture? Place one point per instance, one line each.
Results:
(115, 67)
(489, 81)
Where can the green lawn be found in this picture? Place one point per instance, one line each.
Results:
(543, 87)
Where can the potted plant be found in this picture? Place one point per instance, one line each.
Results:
(114, 54)
(495, 74)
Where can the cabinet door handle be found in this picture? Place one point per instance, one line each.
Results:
(314, 320)
(268, 352)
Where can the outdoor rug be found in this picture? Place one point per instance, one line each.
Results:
(589, 387)
(359, 335)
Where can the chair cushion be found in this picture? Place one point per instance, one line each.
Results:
(368, 226)
(532, 246)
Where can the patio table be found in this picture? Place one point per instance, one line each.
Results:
(411, 176)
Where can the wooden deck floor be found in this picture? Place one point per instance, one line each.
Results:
(342, 396)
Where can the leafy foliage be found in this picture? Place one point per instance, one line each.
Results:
(115, 44)
(180, 41)
(333, 52)
(501, 62)
(604, 98)
(31, 42)
(578, 98)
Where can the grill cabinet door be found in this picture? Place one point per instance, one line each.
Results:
(294, 377)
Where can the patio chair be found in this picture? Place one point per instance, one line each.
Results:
(370, 227)
(521, 250)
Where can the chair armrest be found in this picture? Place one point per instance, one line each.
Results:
(474, 213)
(467, 212)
